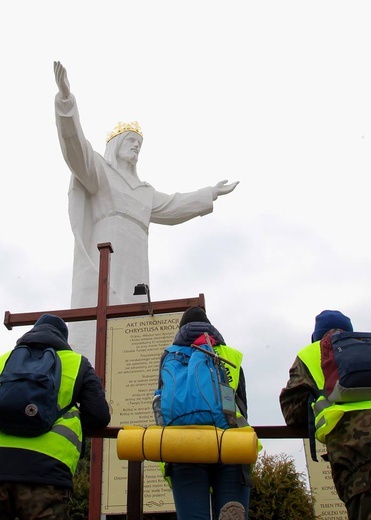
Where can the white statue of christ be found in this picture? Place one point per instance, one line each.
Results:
(109, 203)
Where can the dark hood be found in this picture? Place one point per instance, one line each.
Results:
(192, 330)
(43, 336)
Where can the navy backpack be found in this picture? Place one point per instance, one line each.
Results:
(29, 386)
(346, 364)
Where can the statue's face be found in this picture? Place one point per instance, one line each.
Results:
(130, 147)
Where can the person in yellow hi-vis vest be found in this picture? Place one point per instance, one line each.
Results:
(36, 471)
(345, 427)
(200, 490)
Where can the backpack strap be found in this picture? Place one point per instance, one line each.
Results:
(212, 353)
(312, 428)
(62, 411)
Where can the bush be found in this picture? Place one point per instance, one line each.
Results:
(279, 491)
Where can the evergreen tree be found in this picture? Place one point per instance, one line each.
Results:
(279, 491)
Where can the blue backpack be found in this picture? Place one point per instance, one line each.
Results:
(195, 388)
(29, 386)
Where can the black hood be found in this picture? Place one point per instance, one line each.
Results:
(43, 336)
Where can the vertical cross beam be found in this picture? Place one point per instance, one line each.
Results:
(96, 462)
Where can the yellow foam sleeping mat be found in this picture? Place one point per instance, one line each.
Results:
(194, 444)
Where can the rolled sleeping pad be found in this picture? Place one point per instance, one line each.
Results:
(193, 444)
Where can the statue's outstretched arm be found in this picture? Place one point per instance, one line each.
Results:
(222, 188)
(78, 153)
(62, 80)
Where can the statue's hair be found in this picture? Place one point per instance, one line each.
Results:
(111, 149)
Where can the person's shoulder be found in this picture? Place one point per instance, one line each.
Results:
(7, 352)
(308, 349)
(85, 361)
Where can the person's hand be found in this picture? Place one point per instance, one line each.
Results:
(62, 80)
(222, 188)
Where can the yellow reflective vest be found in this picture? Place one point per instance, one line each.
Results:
(233, 373)
(326, 413)
(64, 441)
(235, 357)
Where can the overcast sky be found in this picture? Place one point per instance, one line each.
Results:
(275, 94)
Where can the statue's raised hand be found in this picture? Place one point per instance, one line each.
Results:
(222, 188)
(62, 80)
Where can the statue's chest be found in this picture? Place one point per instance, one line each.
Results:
(118, 197)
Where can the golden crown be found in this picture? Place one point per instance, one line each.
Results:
(120, 128)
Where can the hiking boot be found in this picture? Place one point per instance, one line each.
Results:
(232, 511)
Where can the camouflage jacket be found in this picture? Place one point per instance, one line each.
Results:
(349, 443)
